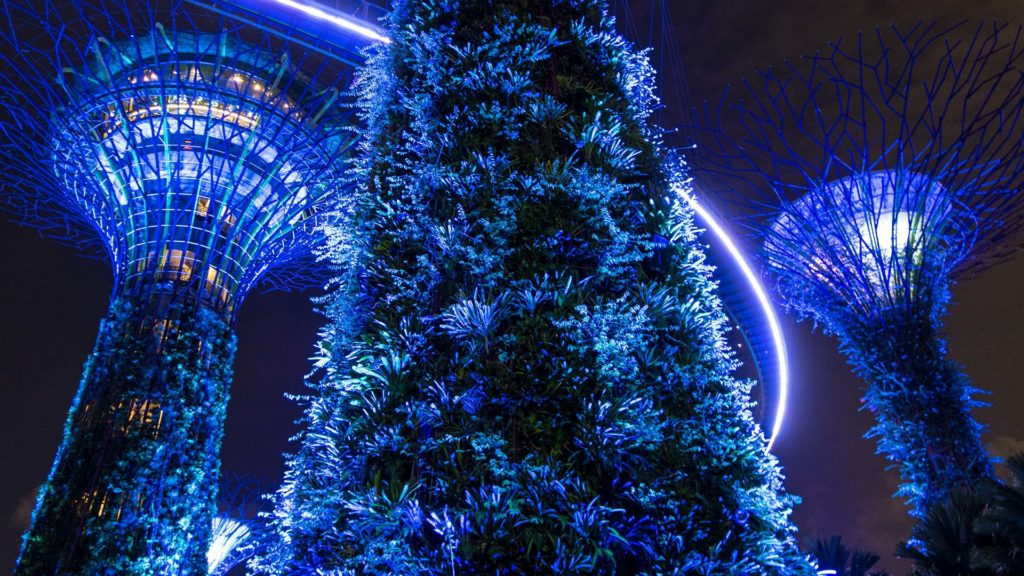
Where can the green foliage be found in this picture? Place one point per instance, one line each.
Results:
(509, 384)
(974, 531)
(133, 488)
(832, 554)
(1003, 520)
(946, 542)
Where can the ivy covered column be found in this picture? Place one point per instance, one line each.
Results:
(133, 487)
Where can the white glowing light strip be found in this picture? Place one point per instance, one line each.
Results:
(337, 19)
(766, 307)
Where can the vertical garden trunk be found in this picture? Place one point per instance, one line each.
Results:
(921, 400)
(133, 488)
(518, 376)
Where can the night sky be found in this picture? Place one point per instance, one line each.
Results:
(51, 301)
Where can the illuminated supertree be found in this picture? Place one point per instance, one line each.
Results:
(197, 148)
(536, 380)
(888, 165)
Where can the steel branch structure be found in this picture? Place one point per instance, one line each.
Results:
(884, 168)
(198, 148)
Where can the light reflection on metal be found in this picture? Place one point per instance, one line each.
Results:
(870, 235)
(228, 536)
(766, 307)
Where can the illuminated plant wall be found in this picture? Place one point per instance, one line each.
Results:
(524, 370)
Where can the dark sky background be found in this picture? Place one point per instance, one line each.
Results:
(51, 301)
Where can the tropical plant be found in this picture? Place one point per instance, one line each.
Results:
(947, 541)
(1001, 526)
(832, 554)
(976, 531)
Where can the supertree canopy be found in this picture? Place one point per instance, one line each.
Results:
(197, 148)
(888, 165)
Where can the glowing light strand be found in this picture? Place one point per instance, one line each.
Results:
(338, 20)
(766, 307)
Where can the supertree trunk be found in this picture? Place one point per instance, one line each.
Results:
(921, 402)
(525, 371)
(877, 198)
(129, 492)
(198, 148)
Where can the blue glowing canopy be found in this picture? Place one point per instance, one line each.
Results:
(887, 154)
(189, 143)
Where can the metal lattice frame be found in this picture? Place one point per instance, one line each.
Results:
(906, 139)
(237, 523)
(186, 146)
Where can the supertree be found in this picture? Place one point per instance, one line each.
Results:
(197, 149)
(886, 166)
(524, 369)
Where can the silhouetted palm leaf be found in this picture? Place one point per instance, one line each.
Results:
(1003, 522)
(832, 554)
(946, 542)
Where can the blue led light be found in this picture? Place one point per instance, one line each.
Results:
(228, 535)
(871, 207)
(189, 157)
